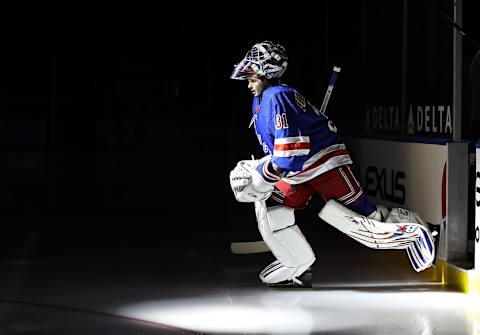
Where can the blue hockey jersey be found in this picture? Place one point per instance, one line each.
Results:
(301, 142)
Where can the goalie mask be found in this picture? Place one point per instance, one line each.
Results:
(265, 59)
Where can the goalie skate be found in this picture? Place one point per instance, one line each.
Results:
(302, 281)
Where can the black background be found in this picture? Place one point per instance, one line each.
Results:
(120, 123)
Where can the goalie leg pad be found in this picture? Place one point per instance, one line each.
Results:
(402, 215)
(396, 233)
(421, 253)
(285, 240)
(373, 234)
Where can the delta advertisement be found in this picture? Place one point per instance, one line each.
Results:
(434, 121)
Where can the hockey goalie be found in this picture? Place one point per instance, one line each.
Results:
(305, 156)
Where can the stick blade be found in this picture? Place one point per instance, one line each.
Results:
(249, 247)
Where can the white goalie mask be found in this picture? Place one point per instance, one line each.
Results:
(265, 59)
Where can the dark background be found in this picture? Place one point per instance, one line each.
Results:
(119, 124)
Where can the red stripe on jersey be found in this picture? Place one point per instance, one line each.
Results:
(291, 146)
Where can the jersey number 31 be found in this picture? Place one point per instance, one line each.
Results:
(281, 121)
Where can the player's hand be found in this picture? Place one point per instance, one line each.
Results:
(247, 184)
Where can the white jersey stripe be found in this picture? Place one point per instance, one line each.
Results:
(294, 139)
(322, 153)
(327, 166)
(289, 153)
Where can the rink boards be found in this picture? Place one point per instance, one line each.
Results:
(412, 175)
(477, 209)
(402, 174)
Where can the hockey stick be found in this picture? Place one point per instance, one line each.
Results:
(248, 247)
(331, 84)
(260, 246)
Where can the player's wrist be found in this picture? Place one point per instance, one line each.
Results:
(267, 173)
(276, 169)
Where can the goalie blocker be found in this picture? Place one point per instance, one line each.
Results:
(402, 229)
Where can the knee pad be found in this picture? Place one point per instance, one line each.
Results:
(285, 240)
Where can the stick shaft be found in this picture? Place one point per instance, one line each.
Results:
(249, 247)
(331, 84)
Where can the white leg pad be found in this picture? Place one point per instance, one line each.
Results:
(400, 231)
(285, 240)
(421, 253)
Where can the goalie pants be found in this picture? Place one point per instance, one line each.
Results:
(339, 184)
